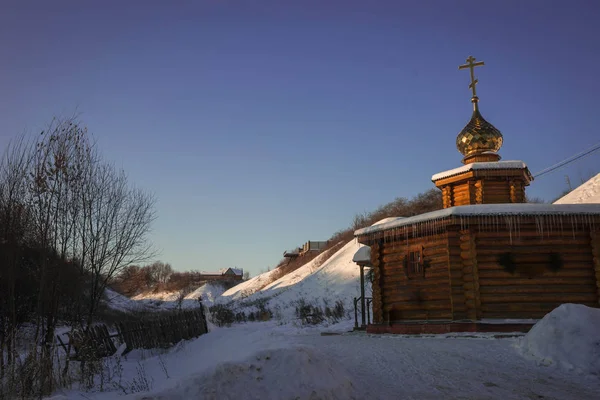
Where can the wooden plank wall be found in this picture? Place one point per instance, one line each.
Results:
(533, 289)
(416, 298)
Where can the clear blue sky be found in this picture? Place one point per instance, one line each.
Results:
(262, 124)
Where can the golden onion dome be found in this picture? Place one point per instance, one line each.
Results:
(479, 136)
(479, 140)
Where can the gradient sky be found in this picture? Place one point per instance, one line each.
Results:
(260, 125)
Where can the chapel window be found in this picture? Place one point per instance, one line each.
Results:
(414, 265)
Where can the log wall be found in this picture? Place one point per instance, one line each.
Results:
(533, 288)
(595, 236)
(424, 297)
(462, 194)
(455, 275)
(377, 282)
(470, 276)
(493, 189)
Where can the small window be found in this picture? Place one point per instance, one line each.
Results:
(414, 263)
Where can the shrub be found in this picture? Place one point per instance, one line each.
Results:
(221, 315)
(309, 314)
(240, 317)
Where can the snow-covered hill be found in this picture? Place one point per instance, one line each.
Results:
(589, 192)
(161, 301)
(118, 302)
(320, 283)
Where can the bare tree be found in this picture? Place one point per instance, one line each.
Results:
(69, 219)
(114, 227)
(159, 272)
(181, 296)
(14, 229)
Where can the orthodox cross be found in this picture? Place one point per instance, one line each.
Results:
(471, 64)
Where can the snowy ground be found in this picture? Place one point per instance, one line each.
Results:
(266, 361)
(280, 359)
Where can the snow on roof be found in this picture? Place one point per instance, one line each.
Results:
(525, 209)
(514, 164)
(383, 221)
(211, 272)
(362, 255)
(587, 193)
(237, 271)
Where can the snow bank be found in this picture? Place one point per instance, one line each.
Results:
(589, 192)
(569, 337)
(289, 373)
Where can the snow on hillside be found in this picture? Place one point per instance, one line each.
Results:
(208, 292)
(249, 287)
(568, 337)
(589, 192)
(167, 300)
(261, 283)
(118, 302)
(319, 283)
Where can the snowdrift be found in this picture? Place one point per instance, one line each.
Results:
(292, 373)
(568, 337)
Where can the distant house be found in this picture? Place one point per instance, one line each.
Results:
(308, 247)
(233, 272)
(313, 246)
(292, 253)
(222, 274)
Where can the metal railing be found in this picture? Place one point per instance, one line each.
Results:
(368, 301)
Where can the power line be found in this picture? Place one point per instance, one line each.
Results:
(568, 160)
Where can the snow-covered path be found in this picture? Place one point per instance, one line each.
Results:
(261, 361)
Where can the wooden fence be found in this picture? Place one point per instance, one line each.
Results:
(161, 332)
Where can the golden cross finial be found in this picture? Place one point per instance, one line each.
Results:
(471, 64)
